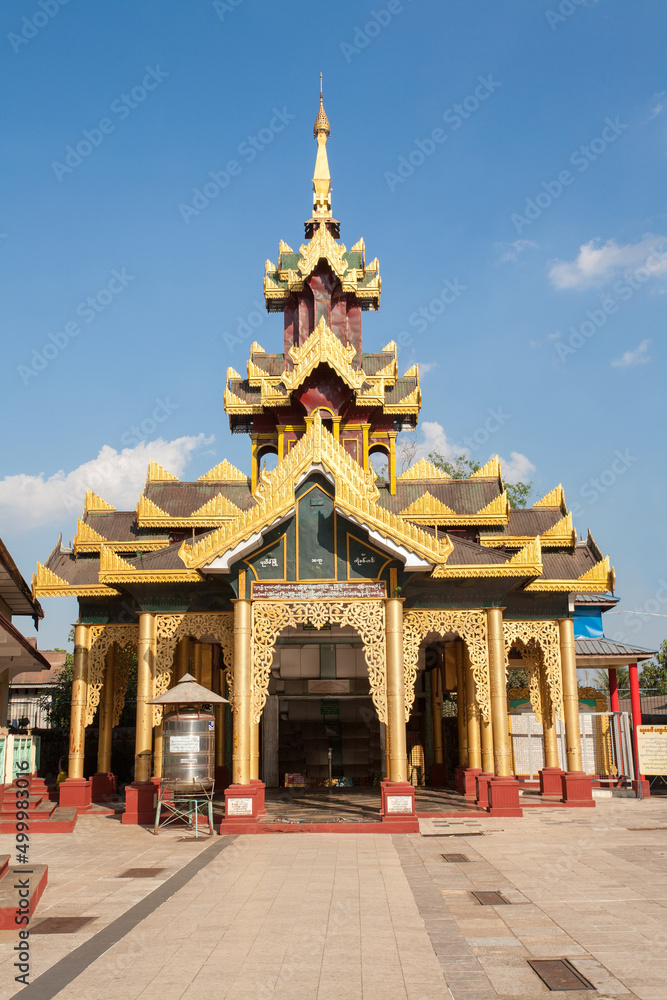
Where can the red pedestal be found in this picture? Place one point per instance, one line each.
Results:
(438, 775)
(221, 778)
(550, 783)
(75, 793)
(468, 785)
(398, 803)
(644, 788)
(261, 789)
(103, 787)
(459, 779)
(483, 782)
(243, 804)
(504, 797)
(577, 788)
(140, 804)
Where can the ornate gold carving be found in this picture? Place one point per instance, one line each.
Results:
(561, 535)
(412, 402)
(102, 637)
(114, 569)
(158, 474)
(597, 580)
(469, 625)
(93, 502)
(223, 472)
(234, 403)
(359, 246)
(422, 470)
(489, 471)
(498, 508)
(46, 583)
(429, 509)
(525, 563)
(366, 617)
(323, 347)
(233, 374)
(412, 372)
(323, 245)
(149, 515)
(87, 539)
(171, 628)
(532, 638)
(214, 509)
(555, 498)
(284, 248)
(390, 348)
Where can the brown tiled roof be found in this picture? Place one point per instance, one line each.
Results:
(81, 571)
(401, 388)
(183, 499)
(531, 521)
(246, 392)
(374, 363)
(31, 678)
(607, 647)
(465, 496)
(569, 565)
(272, 364)
(467, 553)
(121, 526)
(163, 559)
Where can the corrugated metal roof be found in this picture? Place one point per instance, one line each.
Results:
(400, 390)
(607, 647)
(14, 591)
(83, 571)
(596, 599)
(121, 526)
(465, 496)
(272, 364)
(467, 553)
(183, 499)
(530, 521)
(374, 363)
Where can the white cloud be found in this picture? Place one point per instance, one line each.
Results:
(517, 469)
(29, 501)
(554, 336)
(597, 262)
(637, 357)
(657, 108)
(435, 439)
(510, 251)
(427, 366)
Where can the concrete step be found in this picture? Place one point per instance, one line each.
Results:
(36, 877)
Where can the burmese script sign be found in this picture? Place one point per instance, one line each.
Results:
(316, 591)
(652, 749)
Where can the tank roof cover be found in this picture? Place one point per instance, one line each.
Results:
(188, 692)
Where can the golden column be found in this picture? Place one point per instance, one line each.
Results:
(549, 734)
(77, 733)
(106, 714)
(570, 694)
(182, 658)
(498, 686)
(436, 710)
(461, 705)
(398, 760)
(197, 661)
(392, 462)
(474, 745)
(254, 751)
(242, 717)
(486, 740)
(145, 672)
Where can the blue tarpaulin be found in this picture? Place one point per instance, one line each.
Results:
(588, 623)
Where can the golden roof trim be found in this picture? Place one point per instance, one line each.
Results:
(491, 470)
(355, 490)
(554, 498)
(95, 502)
(525, 563)
(323, 347)
(115, 569)
(224, 472)
(158, 474)
(423, 469)
(412, 402)
(46, 583)
(427, 506)
(219, 506)
(560, 535)
(496, 511)
(599, 579)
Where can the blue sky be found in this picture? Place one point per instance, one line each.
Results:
(505, 162)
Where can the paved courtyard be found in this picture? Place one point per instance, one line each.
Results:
(300, 916)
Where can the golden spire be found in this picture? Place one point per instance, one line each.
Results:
(321, 177)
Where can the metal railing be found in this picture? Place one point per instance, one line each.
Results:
(606, 745)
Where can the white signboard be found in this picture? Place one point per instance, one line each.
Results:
(399, 803)
(183, 744)
(652, 749)
(239, 807)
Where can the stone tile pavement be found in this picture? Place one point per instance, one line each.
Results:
(361, 917)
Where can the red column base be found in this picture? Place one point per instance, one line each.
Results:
(550, 781)
(103, 787)
(75, 793)
(577, 789)
(243, 804)
(483, 781)
(459, 779)
(221, 777)
(469, 781)
(504, 797)
(261, 789)
(140, 804)
(438, 775)
(398, 804)
(645, 788)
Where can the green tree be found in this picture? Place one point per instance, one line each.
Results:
(622, 679)
(57, 702)
(463, 467)
(653, 674)
(517, 678)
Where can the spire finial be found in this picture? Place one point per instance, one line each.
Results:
(321, 177)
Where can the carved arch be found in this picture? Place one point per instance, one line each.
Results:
(102, 637)
(366, 617)
(539, 644)
(470, 626)
(171, 628)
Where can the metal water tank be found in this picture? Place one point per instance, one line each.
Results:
(188, 751)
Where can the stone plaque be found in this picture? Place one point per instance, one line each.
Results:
(329, 687)
(239, 807)
(399, 804)
(652, 748)
(316, 591)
